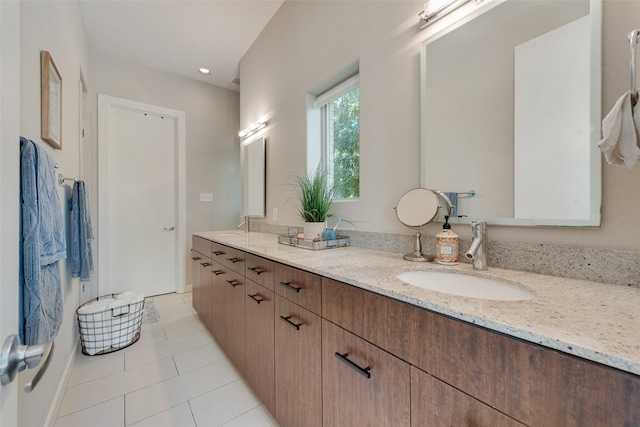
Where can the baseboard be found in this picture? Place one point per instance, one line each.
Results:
(188, 288)
(62, 387)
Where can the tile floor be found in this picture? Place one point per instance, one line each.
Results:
(174, 376)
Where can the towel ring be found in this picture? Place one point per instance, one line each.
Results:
(634, 36)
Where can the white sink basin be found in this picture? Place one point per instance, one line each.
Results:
(465, 286)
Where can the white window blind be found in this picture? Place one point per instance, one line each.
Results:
(337, 91)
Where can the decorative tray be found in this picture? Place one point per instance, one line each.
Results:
(291, 239)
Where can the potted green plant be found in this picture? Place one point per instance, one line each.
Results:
(316, 195)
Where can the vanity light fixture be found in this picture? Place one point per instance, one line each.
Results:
(436, 9)
(253, 128)
(204, 71)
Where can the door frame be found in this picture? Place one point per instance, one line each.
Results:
(10, 200)
(106, 102)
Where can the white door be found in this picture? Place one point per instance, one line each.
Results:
(9, 185)
(139, 239)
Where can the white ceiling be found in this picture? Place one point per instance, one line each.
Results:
(179, 36)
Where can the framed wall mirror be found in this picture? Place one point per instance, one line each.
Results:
(254, 168)
(510, 108)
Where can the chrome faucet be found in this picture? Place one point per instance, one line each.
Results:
(245, 223)
(479, 246)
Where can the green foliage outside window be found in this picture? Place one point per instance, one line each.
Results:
(346, 145)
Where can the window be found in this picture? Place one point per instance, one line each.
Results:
(340, 154)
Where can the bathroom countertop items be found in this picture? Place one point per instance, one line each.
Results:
(595, 321)
(110, 323)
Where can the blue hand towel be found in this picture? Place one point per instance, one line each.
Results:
(453, 198)
(81, 234)
(42, 245)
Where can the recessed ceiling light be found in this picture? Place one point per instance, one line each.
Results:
(204, 71)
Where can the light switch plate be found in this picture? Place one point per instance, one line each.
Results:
(206, 197)
(275, 214)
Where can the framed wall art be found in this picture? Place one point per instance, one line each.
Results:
(51, 107)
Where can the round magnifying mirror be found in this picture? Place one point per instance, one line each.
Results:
(416, 209)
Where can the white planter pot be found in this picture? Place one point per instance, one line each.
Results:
(313, 230)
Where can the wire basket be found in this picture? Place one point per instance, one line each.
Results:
(109, 329)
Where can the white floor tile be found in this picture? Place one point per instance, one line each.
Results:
(89, 368)
(167, 314)
(160, 397)
(223, 404)
(269, 416)
(167, 299)
(100, 390)
(149, 334)
(107, 414)
(164, 349)
(182, 326)
(253, 418)
(198, 357)
(178, 416)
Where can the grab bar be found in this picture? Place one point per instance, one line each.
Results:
(634, 36)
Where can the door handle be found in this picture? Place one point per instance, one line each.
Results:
(169, 228)
(16, 357)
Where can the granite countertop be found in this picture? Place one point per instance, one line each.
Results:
(596, 321)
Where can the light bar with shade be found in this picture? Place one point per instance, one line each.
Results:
(253, 128)
(437, 9)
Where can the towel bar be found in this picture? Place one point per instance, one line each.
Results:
(634, 37)
(62, 179)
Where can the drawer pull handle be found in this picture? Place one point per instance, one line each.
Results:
(195, 258)
(295, 325)
(257, 270)
(234, 260)
(218, 272)
(362, 371)
(290, 286)
(233, 282)
(218, 253)
(257, 298)
(205, 264)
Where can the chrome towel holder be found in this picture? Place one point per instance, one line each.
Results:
(634, 37)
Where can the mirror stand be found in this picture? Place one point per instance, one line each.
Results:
(417, 255)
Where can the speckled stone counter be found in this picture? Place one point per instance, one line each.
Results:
(596, 321)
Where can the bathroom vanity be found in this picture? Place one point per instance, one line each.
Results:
(333, 338)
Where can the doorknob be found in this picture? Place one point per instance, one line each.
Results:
(169, 228)
(16, 357)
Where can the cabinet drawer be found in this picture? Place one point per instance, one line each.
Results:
(219, 252)
(436, 404)
(201, 245)
(260, 270)
(232, 258)
(299, 286)
(362, 384)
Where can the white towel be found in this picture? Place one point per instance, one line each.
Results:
(621, 133)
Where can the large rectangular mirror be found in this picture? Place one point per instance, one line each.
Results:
(511, 109)
(253, 166)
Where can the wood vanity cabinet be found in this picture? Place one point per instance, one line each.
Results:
(195, 279)
(298, 365)
(530, 383)
(362, 384)
(259, 367)
(218, 326)
(235, 318)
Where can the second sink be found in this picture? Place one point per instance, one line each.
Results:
(465, 285)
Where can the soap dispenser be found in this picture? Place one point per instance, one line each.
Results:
(447, 245)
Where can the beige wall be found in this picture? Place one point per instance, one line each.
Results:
(212, 144)
(56, 27)
(307, 43)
